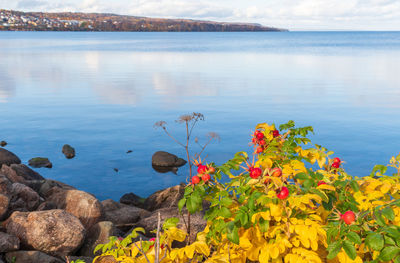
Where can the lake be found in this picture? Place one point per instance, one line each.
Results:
(103, 92)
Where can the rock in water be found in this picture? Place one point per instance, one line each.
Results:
(79, 203)
(8, 242)
(68, 151)
(8, 158)
(39, 162)
(54, 232)
(3, 143)
(161, 158)
(31, 257)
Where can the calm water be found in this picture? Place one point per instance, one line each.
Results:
(102, 93)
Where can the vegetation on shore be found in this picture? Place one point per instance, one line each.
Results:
(290, 201)
(67, 21)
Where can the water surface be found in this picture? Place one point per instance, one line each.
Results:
(102, 93)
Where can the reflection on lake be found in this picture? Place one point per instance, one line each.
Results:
(102, 93)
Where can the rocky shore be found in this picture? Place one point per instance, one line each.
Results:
(47, 221)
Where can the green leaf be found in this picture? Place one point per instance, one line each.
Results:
(375, 241)
(225, 202)
(264, 225)
(181, 204)
(332, 232)
(388, 213)
(225, 212)
(354, 186)
(379, 219)
(397, 259)
(389, 241)
(350, 249)
(388, 253)
(170, 222)
(353, 237)
(302, 176)
(98, 247)
(333, 249)
(233, 235)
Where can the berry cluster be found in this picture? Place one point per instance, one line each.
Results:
(336, 163)
(203, 173)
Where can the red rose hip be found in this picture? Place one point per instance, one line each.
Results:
(201, 169)
(275, 133)
(206, 177)
(195, 179)
(349, 217)
(255, 172)
(276, 172)
(336, 165)
(283, 193)
(259, 135)
(321, 182)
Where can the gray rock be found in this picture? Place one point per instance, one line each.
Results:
(8, 158)
(23, 198)
(68, 151)
(3, 143)
(86, 259)
(4, 205)
(48, 187)
(5, 185)
(168, 197)
(97, 234)
(121, 214)
(26, 172)
(79, 203)
(39, 162)
(161, 158)
(31, 257)
(54, 232)
(132, 199)
(8, 242)
(46, 206)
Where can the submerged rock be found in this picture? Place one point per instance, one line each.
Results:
(8, 158)
(39, 162)
(68, 151)
(55, 232)
(162, 158)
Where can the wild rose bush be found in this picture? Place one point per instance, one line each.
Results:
(288, 202)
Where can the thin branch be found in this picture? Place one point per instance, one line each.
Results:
(157, 258)
(172, 137)
(141, 250)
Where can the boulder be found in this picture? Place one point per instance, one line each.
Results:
(132, 199)
(68, 151)
(49, 187)
(5, 185)
(97, 234)
(8, 158)
(79, 203)
(168, 197)
(121, 214)
(46, 206)
(23, 198)
(197, 221)
(8, 242)
(55, 232)
(161, 158)
(31, 257)
(106, 259)
(4, 205)
(39, 162)
(25, 172)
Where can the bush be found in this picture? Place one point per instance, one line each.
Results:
(291, 203)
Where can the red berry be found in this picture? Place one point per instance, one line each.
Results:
(254, 140)
(195, 179)
(336, 165)
(321, 182)
(337, 160)
(153, 239)
(120, 238)
(211, 170)
(255, 172)
(201, 169)
(283, 193)
(349, 217)
(259, 135)
(206, 177)
(275, 133)
(259, 150)
(262, 142)
(276, 172)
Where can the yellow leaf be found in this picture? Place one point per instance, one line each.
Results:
(176, 234)
(326, 187)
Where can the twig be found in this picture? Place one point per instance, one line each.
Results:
(229, 253)
(157, 258)
(141, 250)
(172, 137)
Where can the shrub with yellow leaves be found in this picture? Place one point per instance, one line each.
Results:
(288, 202)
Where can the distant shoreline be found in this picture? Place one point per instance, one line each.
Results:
(11, 20)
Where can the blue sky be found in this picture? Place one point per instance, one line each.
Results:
(291, 14)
